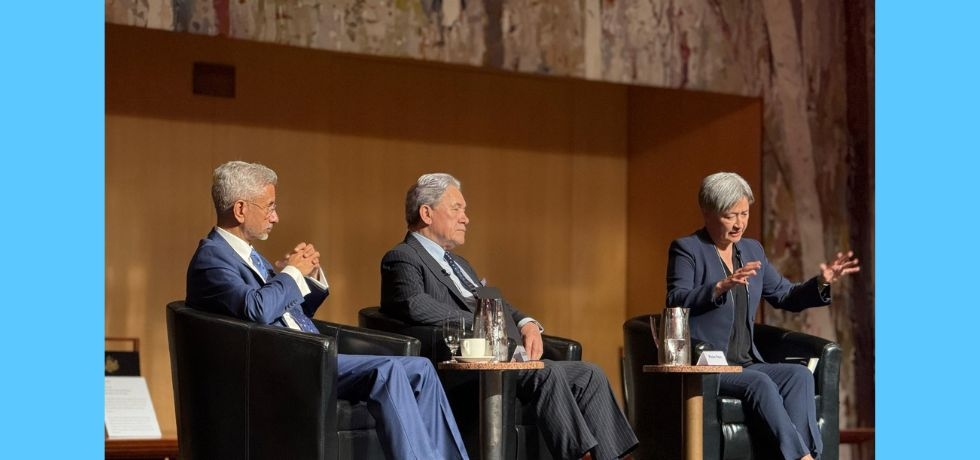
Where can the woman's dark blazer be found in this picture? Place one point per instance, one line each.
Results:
(694, 268)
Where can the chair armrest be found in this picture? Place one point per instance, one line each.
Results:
(782, 345)
(561, 349)
(300, 369)
(353, 340)
(778, 345)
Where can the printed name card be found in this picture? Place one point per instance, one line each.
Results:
(128, 409)
(712, 358)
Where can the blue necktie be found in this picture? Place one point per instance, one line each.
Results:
(304, 322)
(260, 265)
(459, 273)
(295, 311)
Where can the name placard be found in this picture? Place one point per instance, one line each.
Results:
(128, 409)
(712, 358)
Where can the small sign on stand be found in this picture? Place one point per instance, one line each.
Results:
(712, 358)
(129, 411)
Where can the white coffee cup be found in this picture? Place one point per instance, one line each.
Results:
(473, 348)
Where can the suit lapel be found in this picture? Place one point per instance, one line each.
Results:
(216, 238)
(437, 271)
(713, 264)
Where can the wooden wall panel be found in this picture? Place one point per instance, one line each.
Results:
(542, 162)
(676, 138)
(574, 188)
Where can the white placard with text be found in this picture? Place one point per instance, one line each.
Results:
(128, 409)
(712, 358)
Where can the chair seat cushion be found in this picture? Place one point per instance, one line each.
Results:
(353, 416)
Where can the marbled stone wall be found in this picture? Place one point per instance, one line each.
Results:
(789, 52)
(703, 45)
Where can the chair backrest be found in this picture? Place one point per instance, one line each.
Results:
(353, 340)
(244, 390)
(430, 346)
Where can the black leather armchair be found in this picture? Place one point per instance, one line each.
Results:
(653, 405)
(244, 390)
(521, 440)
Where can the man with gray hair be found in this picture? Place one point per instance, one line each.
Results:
(228, 276)
(424, 283)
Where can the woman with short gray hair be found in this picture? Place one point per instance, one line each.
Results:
(721, 191)
(722, 277)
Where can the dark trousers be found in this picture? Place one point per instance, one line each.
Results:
(576, 410)
(781, 397)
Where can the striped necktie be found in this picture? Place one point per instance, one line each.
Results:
(459, 273)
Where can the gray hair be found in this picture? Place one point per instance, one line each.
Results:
(720, 191)
(426, 191)
(238, 180)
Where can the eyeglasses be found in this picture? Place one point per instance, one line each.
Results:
(270, 210)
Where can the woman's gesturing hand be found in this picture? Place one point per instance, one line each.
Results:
(841, 266)
(741, 276)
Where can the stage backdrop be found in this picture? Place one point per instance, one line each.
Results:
(810, 62)
(574, 188)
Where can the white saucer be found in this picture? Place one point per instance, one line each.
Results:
(474, 359)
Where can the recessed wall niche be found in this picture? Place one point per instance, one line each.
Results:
(574, 188)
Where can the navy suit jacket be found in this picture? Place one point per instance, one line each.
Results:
(693, 269)
(415, 288)
(219, 281)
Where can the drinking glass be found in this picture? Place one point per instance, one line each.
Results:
(452, 329)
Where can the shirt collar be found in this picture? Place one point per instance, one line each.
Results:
(241, 247)
(436, 251)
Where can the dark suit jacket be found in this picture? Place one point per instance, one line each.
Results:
(219, 281)
(694, 268)
(572, 401)
(416, 289)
